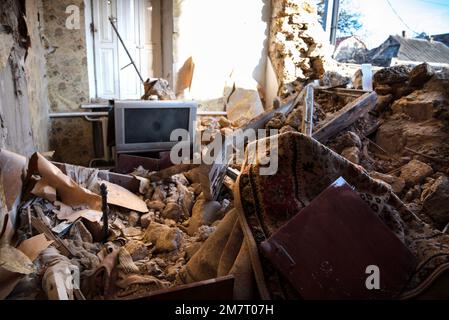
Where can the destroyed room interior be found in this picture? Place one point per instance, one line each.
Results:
(224, 150)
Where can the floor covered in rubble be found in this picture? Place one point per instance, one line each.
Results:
(322, 173)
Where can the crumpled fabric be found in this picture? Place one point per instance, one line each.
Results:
(224, 253)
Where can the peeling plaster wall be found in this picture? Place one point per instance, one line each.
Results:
(23, 88)
(35, 72)
(68, 82)
(221, 36)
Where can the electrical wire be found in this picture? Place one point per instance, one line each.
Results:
(399, 17)
(436, 3)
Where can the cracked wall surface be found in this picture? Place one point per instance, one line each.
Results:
(23, 84)
(68, 82)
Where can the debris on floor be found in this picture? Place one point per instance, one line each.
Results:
(152, 234)
(411, 142)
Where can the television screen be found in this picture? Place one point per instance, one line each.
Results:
(146, 126)
(154, 125)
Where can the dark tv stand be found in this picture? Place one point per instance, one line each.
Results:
(126, 162)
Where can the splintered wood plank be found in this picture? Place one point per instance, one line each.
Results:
(42, 228)
(347, 116)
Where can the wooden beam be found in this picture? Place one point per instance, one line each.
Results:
(260, 121)
(347, 116)
(40, 226)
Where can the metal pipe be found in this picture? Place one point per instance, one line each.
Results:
(105, 114)
(78, 114)
(307, 118)
(126, 49)
(334, 25)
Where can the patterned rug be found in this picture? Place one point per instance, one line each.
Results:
(306, 168)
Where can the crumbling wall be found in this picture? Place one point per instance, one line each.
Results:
(23, 89)
(68, 81)
(297, 47)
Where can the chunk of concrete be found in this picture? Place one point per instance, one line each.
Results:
(352, 154)
(164, 238)
(133, 218)
(397, 183)
(415, 172)
(146, 219)
(420, 105)
(436, 201)
(420, 75)
(137, 249)
(347, 140)
(383, 101)
(156, 205)
(392, 75)
(172, 211)
(204, 213)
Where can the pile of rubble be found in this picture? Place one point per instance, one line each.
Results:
(410, 148)
(403, 141)
(151, 235)
(413, 137)
(210, 127)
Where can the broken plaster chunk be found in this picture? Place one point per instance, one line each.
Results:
(146, 219)
(224, 122)
(180, 178)
(164, 238)
(412, 193)
(420, 75)
(392, 75)
(383, 101)
(137, 249)
(159, 194)
(170, 222)
(156, 205)
(294, 119)
(172, 211)
(286, 129)
(352, 154)
(436, 201)
(397, 183)
(133, 219)
(186, 198)
(205, 231)
(204, 213)
(277, 122)
(415, 172)
(347, 140)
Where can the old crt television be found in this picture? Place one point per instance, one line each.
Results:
(146, 126)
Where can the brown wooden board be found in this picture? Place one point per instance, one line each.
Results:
(325, 250)
(214, 289)
(127, 163)
(346, 116)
